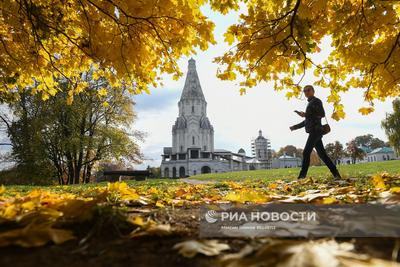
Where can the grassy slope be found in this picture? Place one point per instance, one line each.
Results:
(356, 170)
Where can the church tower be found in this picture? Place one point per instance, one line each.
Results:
(192, 132)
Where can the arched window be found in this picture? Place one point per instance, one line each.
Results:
(182, 172)
(192, 140)
(166, 172)
(205, 169)
(181, 148)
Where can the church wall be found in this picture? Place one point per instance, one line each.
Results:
(193, 167)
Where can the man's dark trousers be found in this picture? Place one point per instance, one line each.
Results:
(315, 140)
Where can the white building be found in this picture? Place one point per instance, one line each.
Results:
(381, 154)
(378, 154)
(192, 150)
(261, 150)
(286, 161)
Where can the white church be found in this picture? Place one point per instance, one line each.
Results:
(193, 151)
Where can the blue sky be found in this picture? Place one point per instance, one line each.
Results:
(237, 119)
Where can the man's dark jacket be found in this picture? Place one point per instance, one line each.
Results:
(314, 112)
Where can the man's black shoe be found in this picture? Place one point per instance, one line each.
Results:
(301, 177)
(337, 176)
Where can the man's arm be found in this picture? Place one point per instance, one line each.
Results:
(298, 126)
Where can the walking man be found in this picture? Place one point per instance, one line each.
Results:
(312, 123)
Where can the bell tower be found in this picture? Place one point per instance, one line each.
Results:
(192, 132)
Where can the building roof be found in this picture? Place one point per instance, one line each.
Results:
(287, 157)
(192, 88)
(221, 151)
(260, 136)
(241, 151)
(253, 160)
(382, 150)
(365, 149)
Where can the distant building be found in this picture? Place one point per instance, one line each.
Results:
(192, 150)
(261, 150)
(378, 154)
(381, 154)
(286, 161)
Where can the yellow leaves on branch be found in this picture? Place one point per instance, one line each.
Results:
(283, 38)
(366, 110)
(126, 41)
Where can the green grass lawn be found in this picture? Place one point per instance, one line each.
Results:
(347, 171)
(321, 173)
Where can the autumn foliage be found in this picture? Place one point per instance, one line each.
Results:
(274, 41)
(128, 42)
(132, 43)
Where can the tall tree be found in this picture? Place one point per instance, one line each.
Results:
(314, 159)
(335, 151)
(369, 141)
(290, 150)
(73, 138)
(354, 151)
(391, 124)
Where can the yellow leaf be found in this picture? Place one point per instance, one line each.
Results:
(30, 205)
(329, 200)
(137, 220)
(206, 247)
(395, 189)
(34, 235)
(378, 182)
(102, 92)
(366, 110)
(273, 186)
(229, 37)
(159, 204)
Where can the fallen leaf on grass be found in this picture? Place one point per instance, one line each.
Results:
(247, 196)
(34, 236)
(329, 200)
(386, 197)
(395, 189)
(148, 227)
(306, 198)
(293, 253)
(206, 247)
(378, 182)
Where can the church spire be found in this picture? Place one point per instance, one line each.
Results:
(192, 88)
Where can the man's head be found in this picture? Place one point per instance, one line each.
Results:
(308, 91)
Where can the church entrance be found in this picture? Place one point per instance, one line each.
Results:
(182, 172)
(173, 172)
(166, 172)
(205, 169)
